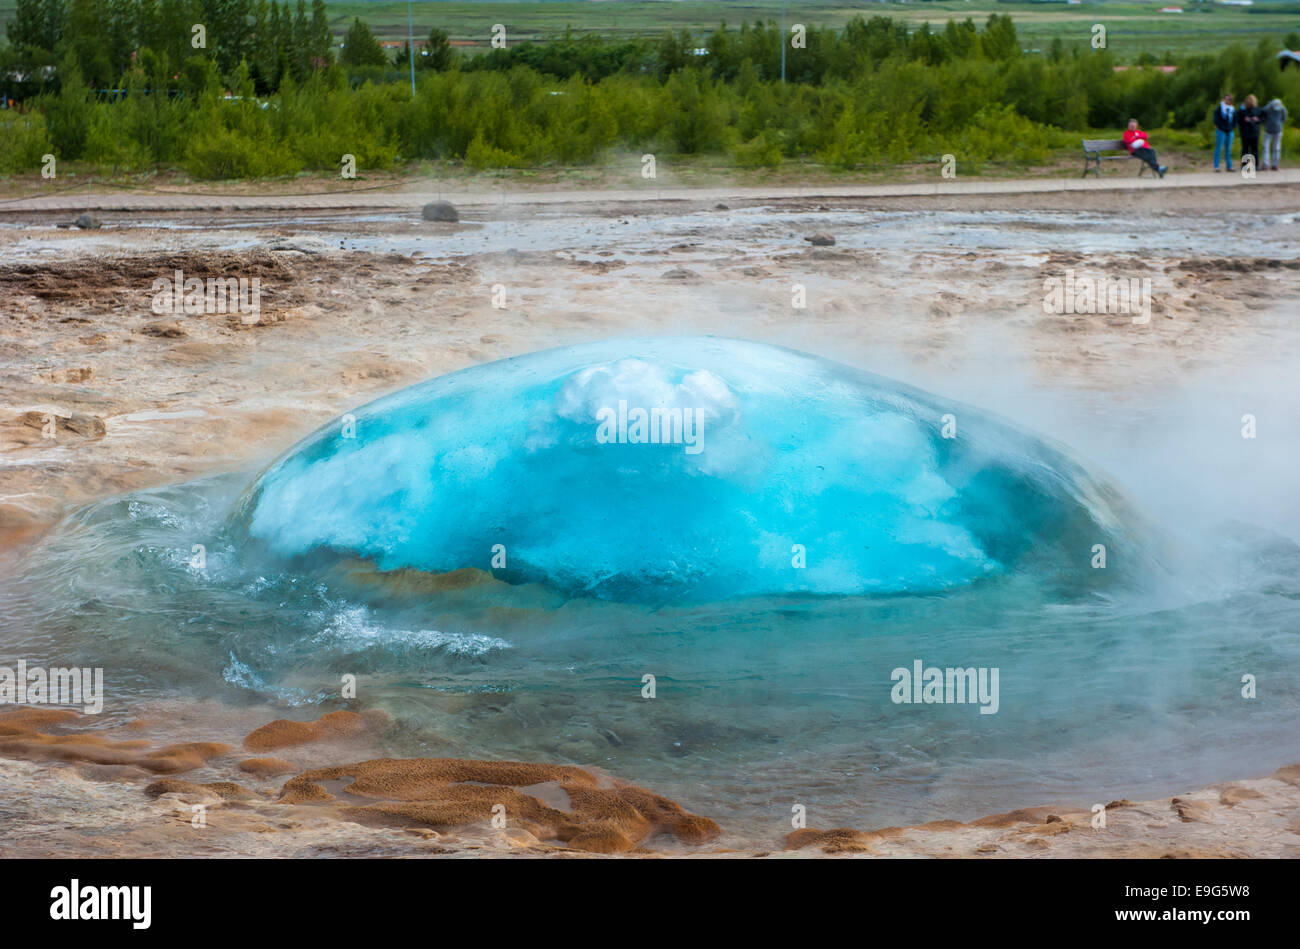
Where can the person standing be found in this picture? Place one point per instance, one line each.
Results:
(1139, 147)
(1274, 123)
(1224, 125)
(1248, 120)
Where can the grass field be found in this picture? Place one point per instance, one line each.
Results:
(1132, 28)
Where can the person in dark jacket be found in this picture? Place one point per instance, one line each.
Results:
(1225, 123)
(1249, 119)
(1274, 123)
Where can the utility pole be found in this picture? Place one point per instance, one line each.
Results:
(410, 43)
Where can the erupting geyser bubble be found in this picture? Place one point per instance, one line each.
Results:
(688, 469)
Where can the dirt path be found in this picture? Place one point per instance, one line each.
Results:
(1172, 190)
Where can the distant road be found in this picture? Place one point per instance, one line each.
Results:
(74, 200)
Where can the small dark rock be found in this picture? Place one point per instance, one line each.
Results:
(440, 211)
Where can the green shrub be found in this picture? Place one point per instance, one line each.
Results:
(481, 155)
(108, 147)
(24, 141)
(999, 133)
(758, 152)
(853, 142)
(321, 124)
(691, 112)
(220, 153)
(68, 113)
(579, 122)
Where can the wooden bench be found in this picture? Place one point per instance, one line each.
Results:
(1093, 157)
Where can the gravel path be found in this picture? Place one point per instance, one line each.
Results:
(74, 199)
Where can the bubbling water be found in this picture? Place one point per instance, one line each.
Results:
(689, 470)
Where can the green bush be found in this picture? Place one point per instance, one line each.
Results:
(580, 123)
(481, 155)
(854, 142)
(24, 141)
(691, 111)
(320, 124)
(758, 152)
(219, 153)
(109, 148)
(68, 113)
(999, 133)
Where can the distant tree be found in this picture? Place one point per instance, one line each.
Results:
(360, 48)
(320, 40)
(199, 76)
(265, 65)
(55, 14)
(875, 40)
(928, 47)
(37, 25)
(674, 51)
(439, 51)
(148, 31)
(300, 42)
(999, 40)
(85, 35)
(68, 113)
(258, 60)
(277, 49)
(961, 37)
(120, 38)
(172, 31)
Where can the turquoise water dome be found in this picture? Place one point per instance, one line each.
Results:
(687, 470)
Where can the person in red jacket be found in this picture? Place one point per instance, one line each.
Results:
(1136, 140)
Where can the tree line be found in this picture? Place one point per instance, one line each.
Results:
(256, 102)
(106, 39)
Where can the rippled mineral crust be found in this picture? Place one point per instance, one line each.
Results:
(23, 735)
(266, 767)
(788, 473)
(283, 733)
(445, 806)
(446, 793)
(565, 804)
